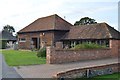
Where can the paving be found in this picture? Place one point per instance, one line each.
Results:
(7, 71)
(49, 70)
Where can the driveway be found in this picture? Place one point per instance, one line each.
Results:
(6, 71)
(49, 70)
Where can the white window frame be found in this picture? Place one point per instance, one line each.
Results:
(21, 40)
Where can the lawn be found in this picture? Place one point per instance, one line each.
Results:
(20, 58)
(114, 76)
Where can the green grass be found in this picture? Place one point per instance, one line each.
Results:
(19, 58)
(114, 76)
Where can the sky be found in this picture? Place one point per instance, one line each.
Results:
(20, 13)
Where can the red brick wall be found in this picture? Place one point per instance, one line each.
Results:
(48, 37)
(119, 49)
(24, 45)
(114, 46)
(55, 56)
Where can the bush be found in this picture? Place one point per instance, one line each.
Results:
(41, 52)
(3, 44)
(88, 46)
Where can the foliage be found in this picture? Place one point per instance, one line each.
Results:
(9, 28)
(88, 46)
(85, 21)
(41, 52)
(22, 57)
(16, 35)
(3, 44)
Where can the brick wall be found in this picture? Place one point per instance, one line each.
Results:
(88, 71)
(48, 38)
(114, 46)
(119, 49)
(27, 43)
(55, 56)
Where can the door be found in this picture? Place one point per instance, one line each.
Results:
(36, 42)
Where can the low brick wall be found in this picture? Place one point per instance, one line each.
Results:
(88, 71)
(63, 56)
(55, 56)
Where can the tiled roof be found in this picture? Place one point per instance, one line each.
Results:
(4, 35)
(53, 22)
(92, 31)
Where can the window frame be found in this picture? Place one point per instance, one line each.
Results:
(22, 39)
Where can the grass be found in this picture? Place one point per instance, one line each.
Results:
(114, 76)
(20, 58)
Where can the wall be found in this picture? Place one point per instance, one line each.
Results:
(24, 45)
(88, 71)
(114, 47)
(55, 56)
(119, 49)
(48, 38)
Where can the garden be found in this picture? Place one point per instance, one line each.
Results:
(22, 57)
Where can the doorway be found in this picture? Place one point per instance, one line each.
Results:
(36, 42)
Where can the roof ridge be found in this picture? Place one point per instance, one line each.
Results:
(54, 24)
(87, 25)
(106, 26)
(47, 16)
(56, 17)
(37, 20)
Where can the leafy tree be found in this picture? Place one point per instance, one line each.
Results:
(9, 28)
(85, 21)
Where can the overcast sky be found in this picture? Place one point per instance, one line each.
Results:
(20, 13)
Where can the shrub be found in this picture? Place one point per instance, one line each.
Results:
(88, 46)
(41, 52)
(3, 44)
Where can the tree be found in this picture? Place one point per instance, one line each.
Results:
(85, 21)
(9, 28)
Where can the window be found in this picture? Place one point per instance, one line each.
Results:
(22, 40)
(107, 43)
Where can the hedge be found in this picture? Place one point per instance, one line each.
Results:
(88, 46)
(3, 44)
(41, 52)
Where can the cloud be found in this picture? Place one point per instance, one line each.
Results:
(20, 13)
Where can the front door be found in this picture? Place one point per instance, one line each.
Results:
(36, 42)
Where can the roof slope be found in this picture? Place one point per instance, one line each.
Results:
(53, 22)
(92, 31)
(4, 35)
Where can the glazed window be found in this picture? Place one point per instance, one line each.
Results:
(22, 40)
